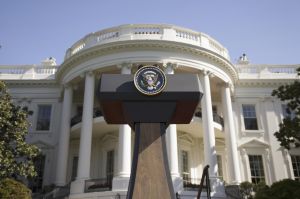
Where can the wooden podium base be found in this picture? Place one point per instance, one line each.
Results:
(150, 176)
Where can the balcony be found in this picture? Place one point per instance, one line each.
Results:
(249, 72)
(98, 185)
(148, 32)
(216, 118)
(77, 118)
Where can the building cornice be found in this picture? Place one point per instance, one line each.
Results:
(20, 83)
(136, 45)
(263, 82)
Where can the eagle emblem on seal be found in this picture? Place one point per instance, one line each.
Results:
(150, 80)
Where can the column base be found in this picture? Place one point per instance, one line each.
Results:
(60, 184)
(120, 183)
(177, 183)
(234, 183)
(217, 188)
(77, 186)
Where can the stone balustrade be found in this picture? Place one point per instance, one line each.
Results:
(267, 71)
(148, 32)
(11, 72)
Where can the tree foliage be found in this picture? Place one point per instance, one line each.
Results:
(246, 189)
(289, 129)
(284, 189)
(16, 156)
(13, 189)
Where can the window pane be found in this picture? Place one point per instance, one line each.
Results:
(43, 118)
(250, 119)
(185, 165)
(74, 167)
(36, 183)
(110, 167)
(256, 168)
(220, 168)
(296, 166)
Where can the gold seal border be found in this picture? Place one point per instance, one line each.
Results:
(140, 89)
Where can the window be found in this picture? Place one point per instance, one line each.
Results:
(43, 118)
(256, 168)
(110, 167)
(74, 167)
(220, 168)
(287, 112)
(250, 119)
(185, 165)
(36, 183)
(214, 109)
(296, 166)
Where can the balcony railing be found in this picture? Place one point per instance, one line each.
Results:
(191, 184)
(97, 185)
(77, 118)
(12, 72)
(216, 118)
(147, 32)
(267, 71)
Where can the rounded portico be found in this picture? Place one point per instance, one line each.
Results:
(90, 149)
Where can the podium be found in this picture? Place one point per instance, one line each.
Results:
(148, 114)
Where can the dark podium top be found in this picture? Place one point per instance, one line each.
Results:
(122, 103)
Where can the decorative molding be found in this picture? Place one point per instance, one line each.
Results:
(267, 154)
(184, 137)
(42, 145)
(110, 48)
(263, 82)
(244, 155)
(286, 154)
(109, 136)
(23, 83)
(254, 142)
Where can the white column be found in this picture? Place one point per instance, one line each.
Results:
(121, 180)
(230, 136)
(124, 151)
(210, 156)
(124, 148)
(85, 147)
(64, 138)
(171, 136)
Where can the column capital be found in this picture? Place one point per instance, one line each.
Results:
(169, 67)
(86, 73)
(89, 73)
(224, 84)
(170, 64)
(67, 85)
(204, 72)
(208, 73)
(124, 64)
(70, 86)
(125, 67)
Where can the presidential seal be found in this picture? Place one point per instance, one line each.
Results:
(150, 80)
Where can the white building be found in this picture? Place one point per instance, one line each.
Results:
(232, 130)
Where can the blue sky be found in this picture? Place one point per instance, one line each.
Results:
(268, 31)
